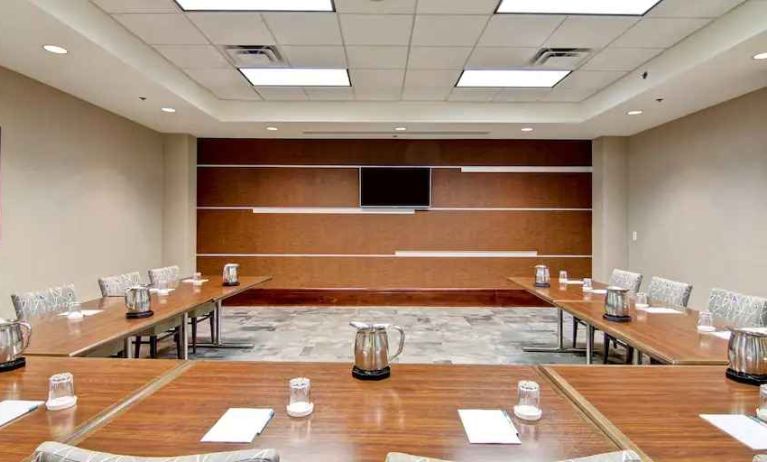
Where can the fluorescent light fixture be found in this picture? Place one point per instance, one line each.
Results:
(760, 56)
(511, 78)
(527, 129)
(272, 129)
(279, 77)
(167, 109)
(637, 112)
(594, 7)
(256, 5)
(55, 49)
(400, 129)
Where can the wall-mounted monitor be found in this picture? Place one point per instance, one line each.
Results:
(395, 187)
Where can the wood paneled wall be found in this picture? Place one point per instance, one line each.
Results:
(473, 212)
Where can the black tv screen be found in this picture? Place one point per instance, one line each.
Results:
(395, 187)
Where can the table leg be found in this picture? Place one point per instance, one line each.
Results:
(216, 337)
(128, 347)
(560, 348)
(182, 337)
(589, 344)
(637, 359)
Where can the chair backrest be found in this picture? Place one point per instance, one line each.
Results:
(618, 456)
(57, 452)
(52, 300)
(115, 286)
(668, 291)
(167, 273)
(626, 279)
(738, 310)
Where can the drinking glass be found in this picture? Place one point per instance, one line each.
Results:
(706, 321)
(642, 300)
(563, 276)
(761, 412)
(197, 276)
(587, 285)
(74, 311)
(61, 391)
(300, 397)
(162, 287)
(529, 400)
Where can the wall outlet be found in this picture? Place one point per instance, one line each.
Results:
(634, 236)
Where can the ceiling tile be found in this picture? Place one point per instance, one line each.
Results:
(436, 30)
(282, 93)
(500, 57)
(521, 95)
(695, 9)
(304, 28)
(431, 85)
(224, 83)
(367, 6)
(376, 29)
(579, 85)
(505, 30)
(330, 94)
(366, 57)
(589, 31)
(193, 56)
(325, 57)
(483, 95)
(380, 84)
(659, 32)
(138, 6)
(621, 59)
(438, 57)
(486, 7)
(233, 28)
(162, 29)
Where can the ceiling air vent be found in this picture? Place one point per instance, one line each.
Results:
(254, 55)
(561, 58)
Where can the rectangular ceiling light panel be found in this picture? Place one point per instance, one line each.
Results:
(594, 7)
(256, 5)
(280, 77)
(511, 78)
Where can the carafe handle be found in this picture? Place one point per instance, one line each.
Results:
(401, 342)
(28, 327)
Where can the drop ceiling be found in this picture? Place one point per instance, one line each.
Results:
(404, 58)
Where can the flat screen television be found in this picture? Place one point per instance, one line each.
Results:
(395, 187)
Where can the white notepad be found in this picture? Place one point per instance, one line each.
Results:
(238, 425)
(13, 409)
(661, 310)
(723, 334)
(192, 281)
(744, 429)
(573, 282)
(599, 291)
(488, 426)
(84, 312)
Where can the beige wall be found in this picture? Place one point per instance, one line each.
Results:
(698, 198)
(180, 205)
(81, 191)
(609, 157)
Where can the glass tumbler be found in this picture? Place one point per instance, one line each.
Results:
(706, 321)
(74, 311)
(761, 412)
(61, 392)
(563, 276)
(587, 285)
(300, 397)
(529, 400)
(197, 276)
(642, 300)
(163, 287)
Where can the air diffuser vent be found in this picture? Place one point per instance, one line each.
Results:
(254, 55)
(561, 58)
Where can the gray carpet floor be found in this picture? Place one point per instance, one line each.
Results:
(433, 335)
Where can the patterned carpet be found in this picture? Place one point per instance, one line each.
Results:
(433, 335)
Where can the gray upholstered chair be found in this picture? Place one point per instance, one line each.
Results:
(53, 300)
(115, 286)
(58, 452)
(760, 458)
(199, 314)
(738, 310)
(617, 456)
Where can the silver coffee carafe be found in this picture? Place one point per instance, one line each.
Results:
(617, 304)
(231, 276)
(14, 339)
(138, 301)
(542, 276)
(371, 350)
(747, 354)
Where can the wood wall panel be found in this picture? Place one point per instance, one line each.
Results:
(277, 187)
(393, 272)
(242, 231)
(394, 152)
(452, 188)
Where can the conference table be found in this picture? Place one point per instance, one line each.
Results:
(55, 335)
(667, 338)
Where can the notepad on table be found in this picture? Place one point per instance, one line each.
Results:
(723, 334)
(741, 427)
(573, 282)
(599, 291)
(192, 281)
(84, 312)
(153, 290)
(488, 426)
(239, 425)
(662, 310)
(13, 409)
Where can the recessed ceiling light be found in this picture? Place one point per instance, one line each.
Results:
(634, 112)
(527, 129)
(256, 5)
(596, 7)
(511, 78)
(55, 49)
(400, 129)
(760, 56)
(272, 129)
(275, 77)
(167, 109)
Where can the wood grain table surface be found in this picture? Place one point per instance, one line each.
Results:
(658, 407)
(559, 292)
(54, 335)
(415, 411)
(101, 385)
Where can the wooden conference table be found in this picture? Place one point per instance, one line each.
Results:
(54, 335)
(668, 338)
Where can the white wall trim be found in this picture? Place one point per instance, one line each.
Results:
(348, 255)
(334, 210)
(527, 169)
(467, 253)
(430, 209)
(464, 169)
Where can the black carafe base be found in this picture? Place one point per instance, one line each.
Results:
(742, 377)
(613, 318)
(13, 365)
(139, 314)
(231, 284)
(542, 285)
(371, 375)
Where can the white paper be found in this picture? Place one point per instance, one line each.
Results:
(238, 425)
(661, 310)
(575, 282)
(154, 291)
(84, 312)
(724, 334)
(192, 281)
(744, 429)
(13, 409)
(488, 426)
(599, 291)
